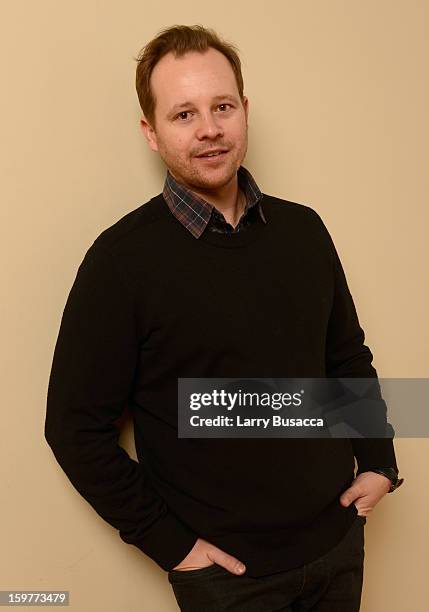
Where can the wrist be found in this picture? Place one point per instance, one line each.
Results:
(392, 475)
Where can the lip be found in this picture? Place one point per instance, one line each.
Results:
(213, 158)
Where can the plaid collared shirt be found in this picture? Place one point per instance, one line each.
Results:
(196, 214)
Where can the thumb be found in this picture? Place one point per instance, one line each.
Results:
(349, 496)
(230, 563)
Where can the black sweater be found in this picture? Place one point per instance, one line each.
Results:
(150, 304)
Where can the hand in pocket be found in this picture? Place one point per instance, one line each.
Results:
(204, 554)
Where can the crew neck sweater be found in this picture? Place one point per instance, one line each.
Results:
(151, 304)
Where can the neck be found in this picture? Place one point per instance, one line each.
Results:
(231, 206)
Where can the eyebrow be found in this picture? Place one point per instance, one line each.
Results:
(177, 107)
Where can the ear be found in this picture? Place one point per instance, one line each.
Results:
(246, 108)
(149, 134)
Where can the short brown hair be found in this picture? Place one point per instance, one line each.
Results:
(179, 39)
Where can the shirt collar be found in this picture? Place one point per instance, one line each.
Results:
(194, 212)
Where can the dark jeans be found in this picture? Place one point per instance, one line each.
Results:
(332, 583)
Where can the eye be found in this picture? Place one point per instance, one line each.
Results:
(224, 104)
(182, 113)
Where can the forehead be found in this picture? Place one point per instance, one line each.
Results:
(193, 76)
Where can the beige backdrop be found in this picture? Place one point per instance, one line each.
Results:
(339, 103)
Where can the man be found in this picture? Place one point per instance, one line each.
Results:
(213, 278)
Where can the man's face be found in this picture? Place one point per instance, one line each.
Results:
(198, 109)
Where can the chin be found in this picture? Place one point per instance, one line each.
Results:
(219, 175)
(214, 181)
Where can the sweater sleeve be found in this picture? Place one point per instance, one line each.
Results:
(347, 356)
(91, 379)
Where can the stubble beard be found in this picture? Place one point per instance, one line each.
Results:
(190, 175)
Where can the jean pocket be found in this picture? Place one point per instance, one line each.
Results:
(184, 575)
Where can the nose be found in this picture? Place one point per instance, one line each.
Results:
(209, 127)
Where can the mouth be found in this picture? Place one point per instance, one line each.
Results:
(213, 156)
